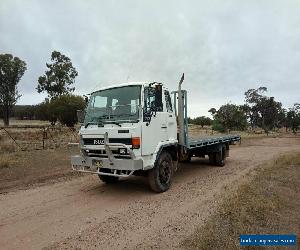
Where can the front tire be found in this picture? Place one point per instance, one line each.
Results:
(108, 179)
(161, 176)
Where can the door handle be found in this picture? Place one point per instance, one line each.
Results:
(170, 115)
(164, 127)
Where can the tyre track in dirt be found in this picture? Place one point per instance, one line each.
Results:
(85, 213)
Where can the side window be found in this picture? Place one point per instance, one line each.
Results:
(151, 101)
(168, 101)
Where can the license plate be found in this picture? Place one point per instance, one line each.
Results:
(98, 163)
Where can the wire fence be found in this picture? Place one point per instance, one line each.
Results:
(35, 137)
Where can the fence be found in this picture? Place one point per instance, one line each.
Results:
(35, 137)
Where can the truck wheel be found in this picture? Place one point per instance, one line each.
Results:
(217, 158)
(160, 177)
(108, 179)
(220, 158)
(212, 158)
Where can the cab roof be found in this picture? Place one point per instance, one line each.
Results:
(123, 85)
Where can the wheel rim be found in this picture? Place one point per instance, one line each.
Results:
(165, 172)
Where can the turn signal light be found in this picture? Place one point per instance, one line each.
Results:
(136, 142)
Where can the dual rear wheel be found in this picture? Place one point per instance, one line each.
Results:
(218, 158)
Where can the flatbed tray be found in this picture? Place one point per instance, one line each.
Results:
(211, 140)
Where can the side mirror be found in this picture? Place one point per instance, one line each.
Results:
(80, 116)
(86, 99)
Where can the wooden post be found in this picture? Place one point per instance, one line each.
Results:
(44, 137)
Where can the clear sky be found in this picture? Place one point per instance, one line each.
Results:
(224, 47)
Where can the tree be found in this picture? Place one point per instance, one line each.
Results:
(293, 118)
(252, 98)
(59, 77)
(217, 126)
(230, 116)
(24, 112)
(282, 122)
(269, 111)
(45, 112)
(262, 110)
(11, 71)
(202, 121)
(190, 120)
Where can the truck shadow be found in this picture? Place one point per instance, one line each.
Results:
(136, 185)
(131, 185)
(196, 166)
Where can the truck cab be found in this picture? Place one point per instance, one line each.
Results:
(125, 128)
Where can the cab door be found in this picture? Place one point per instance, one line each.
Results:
(155, 122)
(171, 118)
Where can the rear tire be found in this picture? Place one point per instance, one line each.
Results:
(108, 179)
(218, 158)
(161, 176)
(212, 158)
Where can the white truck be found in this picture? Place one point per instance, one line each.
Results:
(138, 129)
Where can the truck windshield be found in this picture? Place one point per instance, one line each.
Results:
(120, 104)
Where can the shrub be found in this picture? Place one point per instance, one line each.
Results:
(202, 121)
(230, 116)
(65, 107)
(217, 126)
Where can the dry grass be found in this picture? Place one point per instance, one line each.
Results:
(24, 169)
(6, 161)
(25, 122)
(32, 138)
(268, 204)
(22, 166)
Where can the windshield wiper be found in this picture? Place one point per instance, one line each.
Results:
(113, 122)
(120, 121)
(96, 121)
(93, 123)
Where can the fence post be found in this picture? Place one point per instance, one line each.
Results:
(44, 137)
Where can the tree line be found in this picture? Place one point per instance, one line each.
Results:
(258, 111)
(61, 105)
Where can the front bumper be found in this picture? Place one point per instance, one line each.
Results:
(108, 165)
(102, 166)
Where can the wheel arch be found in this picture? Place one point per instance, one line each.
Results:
(171, 148)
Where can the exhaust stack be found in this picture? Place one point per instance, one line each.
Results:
(181, 113)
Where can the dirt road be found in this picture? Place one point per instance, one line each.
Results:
(85, 213)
